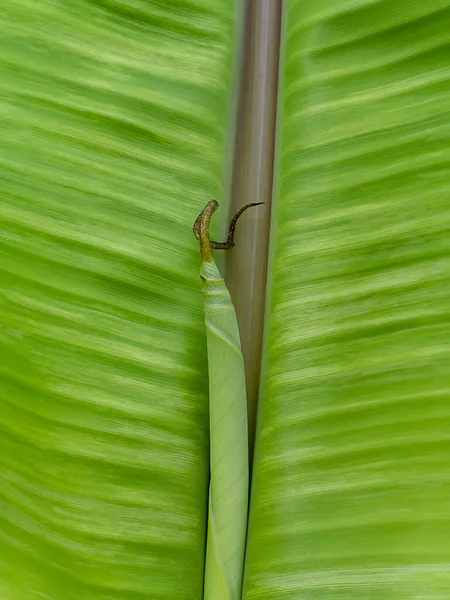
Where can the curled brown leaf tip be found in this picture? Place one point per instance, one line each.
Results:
(201, 229)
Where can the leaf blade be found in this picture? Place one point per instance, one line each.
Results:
(228, 505)
(114, 132)
(349, 483)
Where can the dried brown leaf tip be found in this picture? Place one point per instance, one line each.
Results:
(201, 229)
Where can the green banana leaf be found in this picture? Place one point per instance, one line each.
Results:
(351, 487)
(229, 481)
(114, 119)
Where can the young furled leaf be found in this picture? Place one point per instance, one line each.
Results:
(228, 492)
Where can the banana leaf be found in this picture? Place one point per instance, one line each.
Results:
(114, 119)
(228, 489)
(351, 489)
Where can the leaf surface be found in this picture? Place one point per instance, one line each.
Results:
(228, 495)
(114, 123)
(351, 488)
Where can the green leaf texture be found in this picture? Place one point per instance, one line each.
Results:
(228, 495)
(351, 489)
(114, 117)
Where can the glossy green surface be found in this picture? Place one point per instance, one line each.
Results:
(351, 486)
(114, 119)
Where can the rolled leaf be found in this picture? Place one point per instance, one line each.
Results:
(228, 494)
